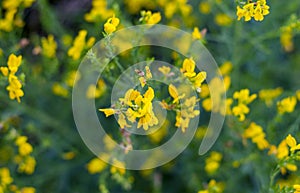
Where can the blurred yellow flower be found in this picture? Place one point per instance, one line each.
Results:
(204, 7)
(286, 105)
(96, 165)
(108, 112)
(49, 46)
(268, 95)
(111, 25)
(223, 19)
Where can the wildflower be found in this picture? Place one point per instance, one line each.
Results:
(164, 70)
(118, 167)
(59, 90)
(15, 86)
(80, 44)
(286, 40)
(96, 166)
(49, 46)
(205, 7)
(5, 177)
(27, 165)
(240, 110)
(225, 68)
(196, 34)
(99, 11)
(188, 69)
(292, 143)
(213, 186)
(28, 190)
(268, 95)
(6, 24)
(96, 91)
(286, 105)
(212, 163)
(244, 97)
(297, 188)
(282, 150)
(174, 94)
(111, 25)
(223, 19)
(256, 133)
(256, 10)
(150, 18)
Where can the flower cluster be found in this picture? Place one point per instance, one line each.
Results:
(11, 9)
(256, 10)
(268, 95)
(25, 161)
(80, 44)
(286, 105)
(111, 25)
(49, 46)
(188, 69)
(212, 163)
(257, 135)
(135, 107)
(99, 11)
(244, 98)
(15, 86)
(150, 18)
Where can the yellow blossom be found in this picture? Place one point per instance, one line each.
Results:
(165, 70)
(212, 163)
(28, 190)
(282, 150)
(96, 165)
(286, 105)
(99, 11)
(174, 93)
(268, 95)
(292, 143)
(244, 97)
(108, 112)
(240, 110)
(5, 177)
(49, 46)
(226, 68)
(205, 7)
(27, 165)
(111, 25)
(223, 19)
(79, 45)
(197, 34)
(59, 90)
(256, 133)
(6, 24)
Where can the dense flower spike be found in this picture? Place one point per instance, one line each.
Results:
(256, 10)
(15, 86)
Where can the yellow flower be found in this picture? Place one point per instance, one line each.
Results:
(286, 105)
(243, 96)
(256, 10)
(240, 110)
(292, 143)
(212, 163)
(297, 188)
(80, 44)
(28, 190)
(25, 149)
(205, 7)
(5, 177)
(268, 95)
(188, 67)
(49, 46)
(111, 25)
(223, 19)
(282, 150)
(96, 165)
(4, 71)
(6, 24)
(256, 133)
(99, 11)
(196, 34)
(59, 90)
(27, 165)
(165, 70)
(225, 68)
(174, 93)
(150, 18)
(118, 167)
(108, 112)
(13, 63)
